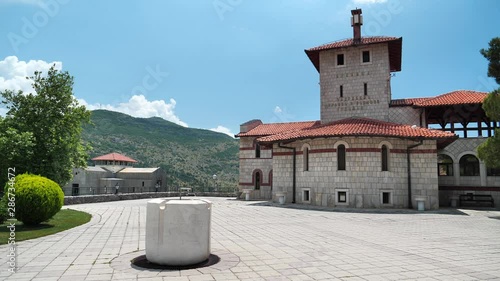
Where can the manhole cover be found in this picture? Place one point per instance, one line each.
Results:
(141, 261)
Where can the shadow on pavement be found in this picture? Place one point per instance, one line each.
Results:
(443, 211)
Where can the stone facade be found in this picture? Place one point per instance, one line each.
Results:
(352, 76)
(90, 176)
(363, 180)
(406, 115)
(250, 165)
(363, 183)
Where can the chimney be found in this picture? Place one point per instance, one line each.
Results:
(356, 23)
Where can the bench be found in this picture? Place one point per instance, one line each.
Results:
(475, 199)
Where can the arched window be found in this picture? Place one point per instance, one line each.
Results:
(469, 165)
(341, 157)
(445, 165)
(257, 150)
(305, 156)
(385, 158)
(257, 180)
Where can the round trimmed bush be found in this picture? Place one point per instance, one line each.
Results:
(37, 198)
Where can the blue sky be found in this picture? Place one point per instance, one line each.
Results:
(214, 64)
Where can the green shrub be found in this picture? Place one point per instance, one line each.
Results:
(37, 198)
(4, 200)
(4, 215)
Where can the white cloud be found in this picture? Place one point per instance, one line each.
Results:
(13, 73)
(368, 1)
(281, 115)
(222, 129)
(139, 106)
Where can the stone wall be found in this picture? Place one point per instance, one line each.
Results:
(143, 180)
(87, 178)
(71, 200)
(363, 180)
(493, 181)
(352, 77)
(249, 164)
(406, 115)
(457, 148)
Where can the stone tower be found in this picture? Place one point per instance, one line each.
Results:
(355, 74)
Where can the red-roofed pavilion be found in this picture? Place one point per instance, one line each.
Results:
(113, 159)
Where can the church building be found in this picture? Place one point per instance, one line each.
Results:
(369, 150)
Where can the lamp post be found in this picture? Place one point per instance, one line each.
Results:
(215, 182)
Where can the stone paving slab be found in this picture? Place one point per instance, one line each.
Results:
(265, 241)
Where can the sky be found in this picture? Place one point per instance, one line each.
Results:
(215, 64)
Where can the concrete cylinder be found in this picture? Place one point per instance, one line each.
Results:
(420, 202)
(281, 197)
(178, 231)
(247, 194)
(421, 205)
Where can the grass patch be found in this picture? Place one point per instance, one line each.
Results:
(63, 220)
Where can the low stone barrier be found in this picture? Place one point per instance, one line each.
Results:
(82, 199)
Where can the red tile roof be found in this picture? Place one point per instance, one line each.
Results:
(359, 127)
(114, 157)
(350, 42)
(276, 128)
(395, 45)
(406, 102)
(454, 98)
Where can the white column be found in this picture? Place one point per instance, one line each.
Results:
(482, 173)
(456, 173)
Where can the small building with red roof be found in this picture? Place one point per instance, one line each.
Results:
(369, 150)
(115, 159)
(114, 172)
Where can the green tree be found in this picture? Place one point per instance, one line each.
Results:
(493, 55)
(41, 132)
(15, 146)
(489, 151)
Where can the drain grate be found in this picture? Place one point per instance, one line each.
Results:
(142, 262)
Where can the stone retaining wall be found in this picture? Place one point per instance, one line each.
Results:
(71, 200)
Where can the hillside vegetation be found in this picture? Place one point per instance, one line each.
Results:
(189, 156)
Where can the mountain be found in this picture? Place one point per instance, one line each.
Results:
(189, 156)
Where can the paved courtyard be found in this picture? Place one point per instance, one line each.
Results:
(263, 241)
